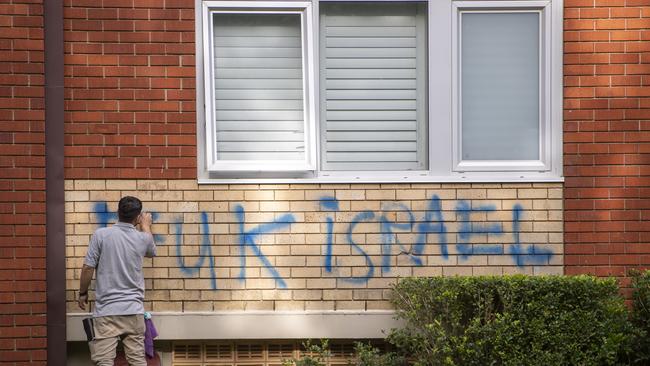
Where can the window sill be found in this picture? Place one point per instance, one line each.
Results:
(502, 177)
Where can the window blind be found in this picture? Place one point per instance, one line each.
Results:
(258, 68)
(500, 85)
(373, 86)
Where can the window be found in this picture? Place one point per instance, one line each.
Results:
(258, 98)
(501, 69)
(379, 90)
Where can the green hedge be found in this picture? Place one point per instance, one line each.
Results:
(512, 320)
(640, 317)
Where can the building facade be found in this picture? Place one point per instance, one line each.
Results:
(299, 157)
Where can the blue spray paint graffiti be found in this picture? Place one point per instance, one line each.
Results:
(205, 251)
(468, 229)
(104, 217)
(530, 255)
(247, 240)
(433, 224)
(389, 237)
(360, 217)
(329, 204)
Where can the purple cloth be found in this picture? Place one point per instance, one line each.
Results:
(149, 334)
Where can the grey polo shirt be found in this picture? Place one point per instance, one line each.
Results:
(116, 253)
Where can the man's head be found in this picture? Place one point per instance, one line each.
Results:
(129, 209)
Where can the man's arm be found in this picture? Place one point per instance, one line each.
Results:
(144, 222)
(84, 282)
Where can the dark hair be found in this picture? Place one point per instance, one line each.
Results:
(129, 209)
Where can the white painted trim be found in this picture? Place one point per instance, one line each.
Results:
(310, 65)
(440, 88)
(503, 165)
(244, 5)
(557, 85)
(422, 89)
(208, 93)
(260, 325)
(466, 177)
(544, 88)
(374, 1)
(322, 98)
(201, 129)
(265, 165)
(497, 4)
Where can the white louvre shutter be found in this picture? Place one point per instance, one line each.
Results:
(258, 70)
(373, 86)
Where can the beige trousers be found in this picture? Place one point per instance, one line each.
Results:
(109, 330)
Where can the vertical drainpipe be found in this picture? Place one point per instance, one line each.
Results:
(54, 182)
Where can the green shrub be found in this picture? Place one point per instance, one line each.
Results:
(367, 355)
(313, 355)
(511, 320)
(640, 317)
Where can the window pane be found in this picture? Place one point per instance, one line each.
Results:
(500, 71)
(258, 87)
(373, 81)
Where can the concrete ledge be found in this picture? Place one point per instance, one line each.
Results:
(260, 325)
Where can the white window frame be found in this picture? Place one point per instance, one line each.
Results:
(504, 7)
(444, 162)
(260, 7)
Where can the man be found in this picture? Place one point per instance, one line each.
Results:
(116, 253)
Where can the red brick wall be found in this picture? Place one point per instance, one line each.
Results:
(130, 110)
(607, 136)
(22, 185)
(130, 89)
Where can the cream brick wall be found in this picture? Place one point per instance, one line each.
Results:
(319, 247)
